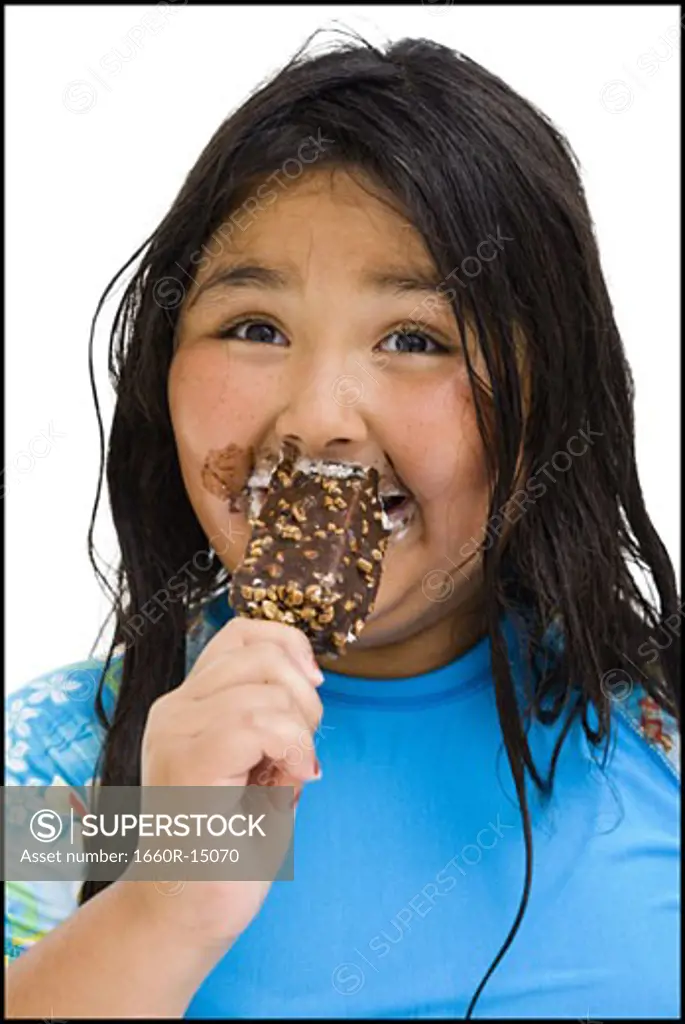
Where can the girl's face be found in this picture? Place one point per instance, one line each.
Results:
(337, 340)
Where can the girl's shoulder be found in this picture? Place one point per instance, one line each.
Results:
(653, 724)
(53, 733)
(53, 737)
(633, 705)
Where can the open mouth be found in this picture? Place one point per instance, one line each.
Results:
(398, 506)
(398, 510)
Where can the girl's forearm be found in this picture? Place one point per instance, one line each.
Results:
(108, 959)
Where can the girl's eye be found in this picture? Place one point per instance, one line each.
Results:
(262, 332)
(411, 341)
(250, 330)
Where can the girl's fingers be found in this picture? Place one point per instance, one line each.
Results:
(230, 707)
(277, 735)
(242, 632)
(291, 744)
(258, 664)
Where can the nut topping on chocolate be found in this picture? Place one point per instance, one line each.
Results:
(319, 531)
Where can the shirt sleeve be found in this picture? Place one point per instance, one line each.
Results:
(52, 738)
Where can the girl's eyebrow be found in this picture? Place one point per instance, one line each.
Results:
(399, 280)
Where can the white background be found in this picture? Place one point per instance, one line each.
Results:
(96, 158)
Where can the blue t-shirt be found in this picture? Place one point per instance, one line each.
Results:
(409, 854)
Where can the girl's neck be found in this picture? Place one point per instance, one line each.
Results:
(429, 648)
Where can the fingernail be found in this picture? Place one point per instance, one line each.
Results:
(317, 766)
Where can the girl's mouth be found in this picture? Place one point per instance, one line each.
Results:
(398, 506)
(399, 509)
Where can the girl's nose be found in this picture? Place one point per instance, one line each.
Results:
(321, 427)
(341, 449)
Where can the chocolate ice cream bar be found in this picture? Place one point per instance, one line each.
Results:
(315, 556)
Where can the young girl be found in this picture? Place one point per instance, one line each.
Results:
(382, 258)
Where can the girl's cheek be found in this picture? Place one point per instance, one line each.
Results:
(449, 468)
(438, 441)
(192, 389)
(210, 406)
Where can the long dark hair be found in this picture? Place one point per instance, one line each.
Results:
(468, 160)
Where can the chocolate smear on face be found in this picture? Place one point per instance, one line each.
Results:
(225, 472)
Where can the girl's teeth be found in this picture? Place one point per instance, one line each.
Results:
(399, 516)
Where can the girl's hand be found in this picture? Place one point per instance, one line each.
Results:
(249, 698)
